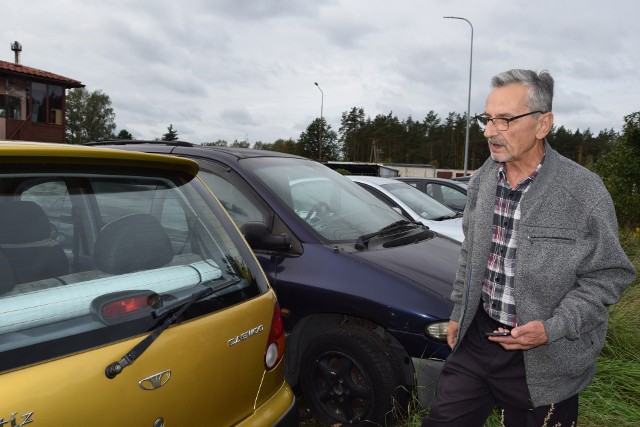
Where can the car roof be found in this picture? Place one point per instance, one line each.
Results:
(56, 153)
(431, 179)
(423, 178)
(373, 179)
(241, 153)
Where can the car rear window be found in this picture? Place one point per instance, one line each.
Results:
(89, 257)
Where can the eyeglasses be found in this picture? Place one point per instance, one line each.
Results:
(501, 123)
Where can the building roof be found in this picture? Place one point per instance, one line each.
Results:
(23, 71)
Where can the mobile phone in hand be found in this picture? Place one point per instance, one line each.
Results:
(498, 334)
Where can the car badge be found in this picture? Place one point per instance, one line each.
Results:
(155, 381)
(14, 422)
(247, 334)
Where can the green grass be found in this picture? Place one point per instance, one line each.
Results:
(613, 398)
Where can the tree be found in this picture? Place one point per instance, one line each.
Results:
(171, 135)
(283, 146)
(387, 136)
(309, 141)
(89, 116)
(124, 134)
(218, 143)
(350, 132)
(620, 171)
(241, 144)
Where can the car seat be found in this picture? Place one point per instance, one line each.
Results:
(132, 243)
(25, 241)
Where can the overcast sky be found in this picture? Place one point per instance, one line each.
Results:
(245, 69)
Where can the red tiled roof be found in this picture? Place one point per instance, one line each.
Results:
(34, 72)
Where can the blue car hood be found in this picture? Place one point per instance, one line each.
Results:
(431, 263)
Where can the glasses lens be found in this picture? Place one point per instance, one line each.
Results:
(501, 124)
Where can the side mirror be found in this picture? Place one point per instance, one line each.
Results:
(259, 237)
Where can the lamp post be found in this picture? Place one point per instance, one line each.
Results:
(321, 122)
(466, 142)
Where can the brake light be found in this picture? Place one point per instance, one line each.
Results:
(275, 344)
(125, 306)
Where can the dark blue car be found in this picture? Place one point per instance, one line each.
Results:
(363, 291)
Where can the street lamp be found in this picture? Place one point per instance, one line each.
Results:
(321, 122)
(466, 142)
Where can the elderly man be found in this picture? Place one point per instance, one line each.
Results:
(540, 265)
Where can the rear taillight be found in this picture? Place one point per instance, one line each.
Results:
(275, 344)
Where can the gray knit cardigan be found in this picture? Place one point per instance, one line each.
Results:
(570, 268)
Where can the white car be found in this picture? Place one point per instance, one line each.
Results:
(414, 204)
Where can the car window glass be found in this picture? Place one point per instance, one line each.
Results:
(82, 257)
(429, 189)
(331, 204)
(453, 198)
(55, 199)
(239, 201)
(423, 205)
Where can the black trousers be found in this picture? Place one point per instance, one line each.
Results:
(480, 375)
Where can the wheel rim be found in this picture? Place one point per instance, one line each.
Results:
(342, 387)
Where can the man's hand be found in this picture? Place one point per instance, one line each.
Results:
(452, 333)
(523, 337)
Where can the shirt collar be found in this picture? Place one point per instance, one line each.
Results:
(502, 174)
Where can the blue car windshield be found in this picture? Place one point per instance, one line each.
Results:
(336, 208)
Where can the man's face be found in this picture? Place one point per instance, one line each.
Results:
(521, 139)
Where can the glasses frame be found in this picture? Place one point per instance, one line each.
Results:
(506, 120)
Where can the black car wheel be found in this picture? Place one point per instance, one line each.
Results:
(348, 375)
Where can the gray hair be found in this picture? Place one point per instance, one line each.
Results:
(540, 86)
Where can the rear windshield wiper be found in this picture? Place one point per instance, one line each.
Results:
(363, 240)
(115, 368)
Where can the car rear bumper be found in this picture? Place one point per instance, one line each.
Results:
(280, 410)
(291, 417)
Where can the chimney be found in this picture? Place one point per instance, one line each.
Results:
(16, 48)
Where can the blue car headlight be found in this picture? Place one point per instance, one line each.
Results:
(438, 330)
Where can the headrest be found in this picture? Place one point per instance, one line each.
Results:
(6, 273)
(132, 243)
(23, 222)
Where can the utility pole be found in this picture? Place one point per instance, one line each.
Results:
(466, 141)
(321, 123)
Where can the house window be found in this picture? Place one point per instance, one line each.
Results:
(46, 103)
(3, 100)
(39, 102)
(17, 95)
(55, 104)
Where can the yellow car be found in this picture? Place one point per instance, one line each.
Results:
(129, 298)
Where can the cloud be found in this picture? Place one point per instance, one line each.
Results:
(228, 69)
(238, 117)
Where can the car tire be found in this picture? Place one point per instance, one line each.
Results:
(348, 375)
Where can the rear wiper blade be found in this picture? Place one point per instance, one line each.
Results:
(112, 370)
(363, 240)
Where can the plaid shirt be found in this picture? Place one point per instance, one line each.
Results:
(498, 297)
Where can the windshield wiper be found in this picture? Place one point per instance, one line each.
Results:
(444, 217)
(363, 240)
(115, 368)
